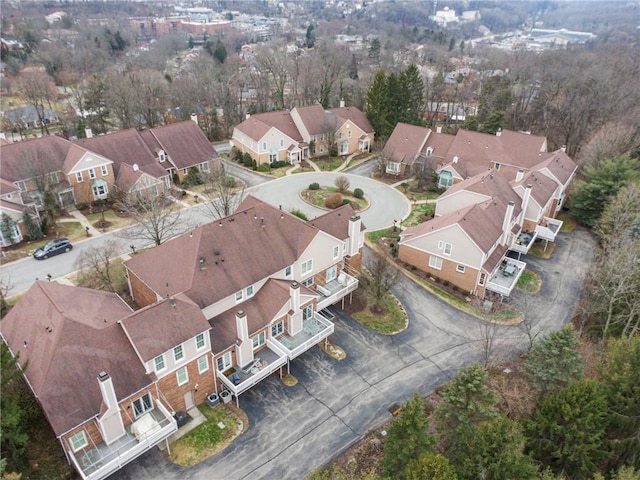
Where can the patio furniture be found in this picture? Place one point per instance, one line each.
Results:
(144, 427)
(509, 269)
(235, 378)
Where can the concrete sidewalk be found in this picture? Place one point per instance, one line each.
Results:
(79, 217)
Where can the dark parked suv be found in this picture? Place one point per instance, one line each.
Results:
(54, 247)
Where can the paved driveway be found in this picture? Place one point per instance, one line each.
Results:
(296, 430)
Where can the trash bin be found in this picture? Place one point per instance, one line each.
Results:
(225, 395)
(181, 418)
(213, 400)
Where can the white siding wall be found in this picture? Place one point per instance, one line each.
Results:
(464, 251)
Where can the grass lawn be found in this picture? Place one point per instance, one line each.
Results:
(540, 250)
(327, 163)
(392, 321)
(529, 282)
(113, 221)
(206, 439)
(416, 214)
(569, 222)
(373, 237)
(318, 197)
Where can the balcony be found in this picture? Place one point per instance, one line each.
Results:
(548, 228)
(267, 361)
(335, 290)
(523, 242)
(314, 330)
(506, 276)
(102, 460)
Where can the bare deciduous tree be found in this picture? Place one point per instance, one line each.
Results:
(383, 276)
(342, 183)
(157, 219)
(38, 89)
(223, 194)
(98, 261)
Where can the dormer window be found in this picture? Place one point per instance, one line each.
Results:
(161, 156)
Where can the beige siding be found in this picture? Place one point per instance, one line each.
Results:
(458, 200)
(463, 250)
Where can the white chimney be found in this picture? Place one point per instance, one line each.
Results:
(455, 159)
(342, 103)
(247, 116)
(507, 221)
(244, 345)
(563, 148)
(525, 201)
(110, 420)
(135, 167)
(295, 314)
(520, 175)
(88, 133)
(499, 132)
(438, 129)
(194, 118)
(355, 237)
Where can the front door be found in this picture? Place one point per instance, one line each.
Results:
(188, 401)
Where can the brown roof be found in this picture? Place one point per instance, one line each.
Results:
(482, 223)
(225, 256)
(542, 187)
(72, 335)
(160, 327)
(74, 155)
(494, 258)
(476, 151)
(260, 309)
(7, 187)
(560, 165)
(184, 143)
(406, 143)
(355, 115)
(259, 124)
(336, 222)
(125, 147)
(489, 184)
(316, 119)
(20, 160)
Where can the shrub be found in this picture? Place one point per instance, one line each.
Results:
(230, 182)
(314, 186)
(264, 167)
(455, 288)
(358, 193)
(437, 279)
(247, 161)
(446, 283)
(413, 268)
(342, 183)
(299, 214)
(334, 201)
(345, 201)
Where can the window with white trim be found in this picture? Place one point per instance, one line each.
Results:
(307, 312)
(435, 262)
(483, 278)
(273, 157)
(259, 340)
(496, 166)
(440, 244)
(142, 405)
(79, 177)
(288, 271)
(264, 145)
(349, 134)
(249, 291)
(239, 296)
(159, 363)
(460, 268)
(277, 328)
(393, 167)
(182, 376)
(224, 362)
(92, 173)
(22, 185)
(78, 441)
(161, 156)
(306, 267)
(53, 178)
(447, 248)
(204, 167)
(104, 170)
(178, 353)
(308, 282)
(203, 364)
(331, 273)
(336, 252)
(282, 142)
(185, 171)
(200, 343)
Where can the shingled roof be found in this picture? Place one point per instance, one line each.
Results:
(68, 335)
(406, 143)
(220, 258)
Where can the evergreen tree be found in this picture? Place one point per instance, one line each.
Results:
(432, 466)
(554, 361)
(466, 401)
(412, 87)
(14, 437)
(377, 108)
(407, 438)
(374, 51)
(353, 69)
(310, 38)
(7, 227)
(621, 376)
(601, 183)
(33, 229)
(493, 451)
(567, 430)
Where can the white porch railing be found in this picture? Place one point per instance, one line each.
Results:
(505, 278)
(330, 297)
(257, 377)
(313, 340)
(106, 466)
(549, 228)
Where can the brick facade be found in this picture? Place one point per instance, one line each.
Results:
(140, 291)
(174, 393)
